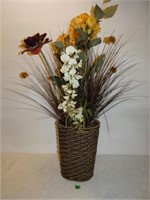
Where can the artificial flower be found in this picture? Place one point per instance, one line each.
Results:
(113, 69)
(87, 23)
(72, 72)
(70, 50)
(33, 44)
(23, 75)
(109, 40)
(78, 84)
(62, 38)
(64, 58)
(66, 76)
(72, 61)
(78, 77)
(74, 83)
(65, 68)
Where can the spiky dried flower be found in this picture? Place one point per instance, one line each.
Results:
(33, 44)
(23, 75)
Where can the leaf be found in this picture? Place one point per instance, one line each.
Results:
(85, 104)
(106, 1)
(83, 35)
(110, 11)
(59, 44)
(85, 113)
(79, 40)
(82, 39)
(58, 80)
(98, 13)
(82, 57)
(67, 40)
(94, 42)
(89, 112)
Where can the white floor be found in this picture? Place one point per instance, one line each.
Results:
(37, 176)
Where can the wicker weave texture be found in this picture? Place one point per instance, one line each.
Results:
(77, 151)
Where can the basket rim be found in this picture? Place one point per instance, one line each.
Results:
(74, 128)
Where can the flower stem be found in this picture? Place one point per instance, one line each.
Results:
(48, 68)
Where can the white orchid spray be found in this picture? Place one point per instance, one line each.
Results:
(70, 70)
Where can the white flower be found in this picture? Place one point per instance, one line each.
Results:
(73, 95)
(72, 103)
(78, 51)
(64, 58)
(62, 105)
(67, 76)
(65, 87)
(80, 109)
(79, 117)
(80, 64)
(73, 92)
(65, 109)
(76, 56)
(70, 50)
(65, 68)
(78, 77)
(71, 106)
(74, 83)
(72, 114)
(68, 91)
(66, 97)
(72, 76)
(72, 71)
(72, 61)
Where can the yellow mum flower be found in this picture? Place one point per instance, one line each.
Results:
(85, 22)
(62, 38)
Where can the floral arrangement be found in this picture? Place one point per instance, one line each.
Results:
(80, 76)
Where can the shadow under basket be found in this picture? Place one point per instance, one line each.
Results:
(77, 151)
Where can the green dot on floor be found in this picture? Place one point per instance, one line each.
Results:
(77, 186)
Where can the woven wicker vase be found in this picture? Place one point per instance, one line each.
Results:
(77, 151)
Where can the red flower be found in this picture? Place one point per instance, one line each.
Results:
(34, 43)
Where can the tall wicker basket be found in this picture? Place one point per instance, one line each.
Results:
(77, 151)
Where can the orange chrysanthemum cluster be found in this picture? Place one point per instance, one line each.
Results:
(87, 23)
(61, 38)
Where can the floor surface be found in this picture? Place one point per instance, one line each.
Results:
(37, 176)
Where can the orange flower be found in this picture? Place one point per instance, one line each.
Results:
(109, 40)
(23, 75)
(85, 22)
(62, 38)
